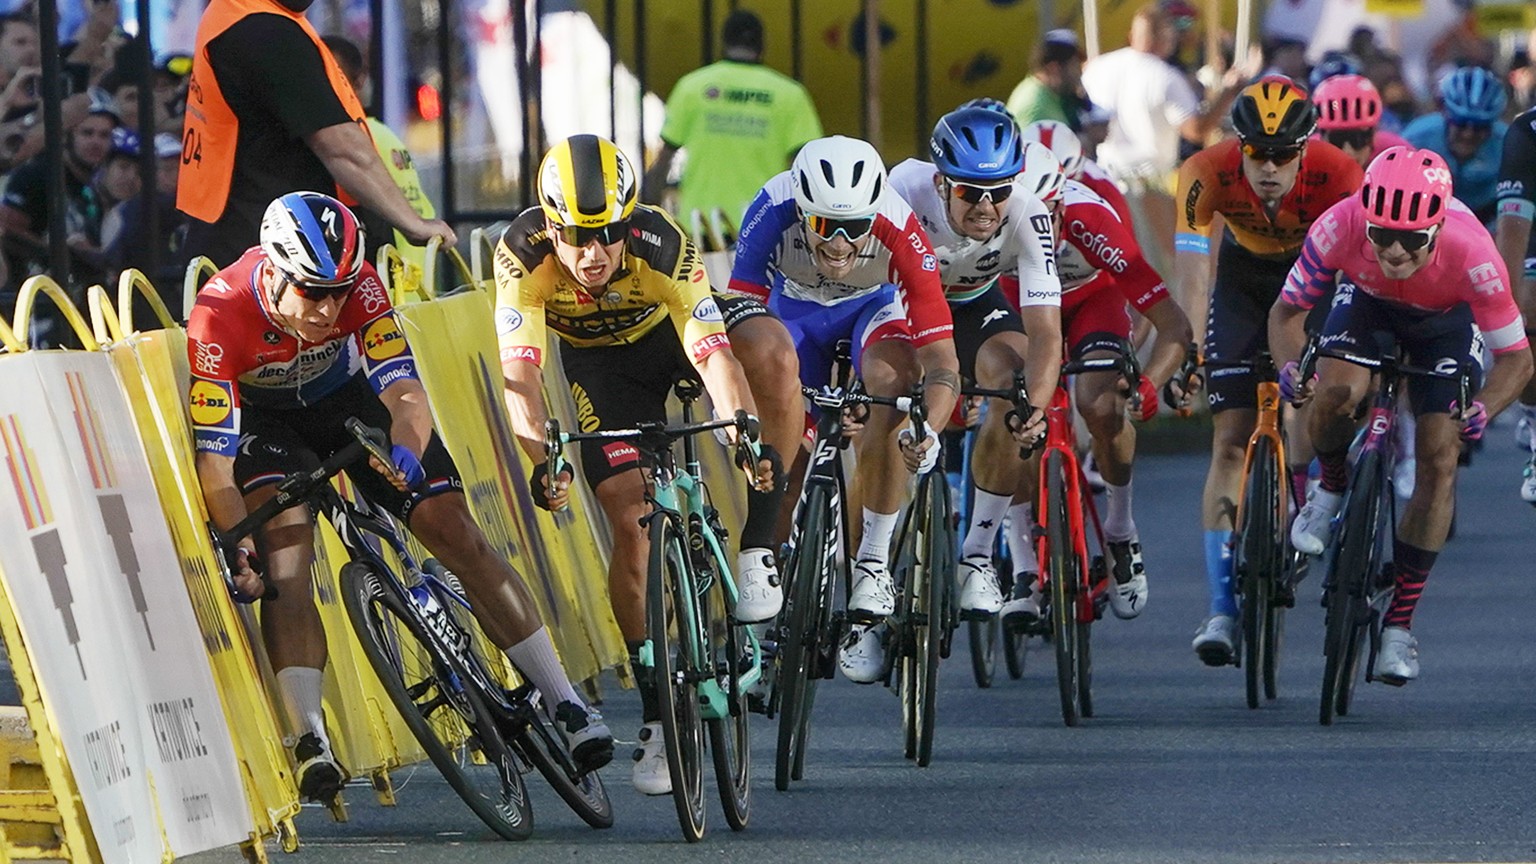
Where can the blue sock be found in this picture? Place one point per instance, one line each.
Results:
(1218, 572)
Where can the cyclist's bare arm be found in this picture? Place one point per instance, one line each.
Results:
(941, 376)
(1511, 370)
(727, 385)
(1174, 334)
(226, 507)
(410, 414)
(1512, 234)
(524, 392)
(1287, 332)
(1192, 283)
(1042, 366)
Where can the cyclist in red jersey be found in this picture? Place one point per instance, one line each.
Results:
(285, 345)
(1414, 266)
(1268, 186)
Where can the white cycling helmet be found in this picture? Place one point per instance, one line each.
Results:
(838, 178)
(1042, 174)
(1063, 142)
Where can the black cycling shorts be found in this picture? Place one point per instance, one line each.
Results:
(618, 386)
(979, 319)
(1367, 326)
(277, 442)
(1237, 323)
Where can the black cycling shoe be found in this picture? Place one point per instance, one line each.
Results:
(585, 733)
(320, 777)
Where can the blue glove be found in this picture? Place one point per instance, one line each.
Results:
(408, 465)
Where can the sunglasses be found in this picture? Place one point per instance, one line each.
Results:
(971, 193)
(318, 292)
(1355, 139)
(1278, 155)
(1470, 125)
(826, 227)
(576, 235)
(1411, 241)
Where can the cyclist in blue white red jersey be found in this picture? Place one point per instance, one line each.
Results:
(1415, 267)
(838, 255)
(286, 344)
(986, 222)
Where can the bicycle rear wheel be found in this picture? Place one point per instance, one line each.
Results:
(802, 614)
(1015, 651)
(983, 637)
(1060, 562)
(673, 627)
(439, 702)
(1258, 548)
(730, 736)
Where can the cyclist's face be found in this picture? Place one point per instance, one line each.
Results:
(977, 221)
(835, 258)
(312, 320)
(1398, 263)
(1465, 139)
(591, 265)
(1269, 181)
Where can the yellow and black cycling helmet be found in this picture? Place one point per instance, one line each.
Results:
(1274, 112)
(587, 182)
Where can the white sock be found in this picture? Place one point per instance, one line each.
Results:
(301, 688)
(987, 511)
(878, 529)
(1021, 540)
(1118, 524)
(535, 658)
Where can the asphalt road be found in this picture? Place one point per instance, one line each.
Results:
(1174, 768)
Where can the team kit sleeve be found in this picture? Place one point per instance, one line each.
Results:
(1192, 225)
(1486, 290)
(915, 267)
(762, 230)
(695, 314)
(520, 328)
(385, 352)
(1516, 193)
(1141, 284)
(1313, 274)
(213, 401)
(1033, 237)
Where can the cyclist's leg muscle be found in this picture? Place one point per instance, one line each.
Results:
(1229, 442)
(995, 465)
(498, 595)
(1427, 518)
(1341, 386)
(622, 497)
(890, 368)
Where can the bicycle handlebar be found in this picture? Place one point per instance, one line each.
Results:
(1389, 367)
(650, 437)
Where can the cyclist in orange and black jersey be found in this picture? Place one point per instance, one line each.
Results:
(1269, 186)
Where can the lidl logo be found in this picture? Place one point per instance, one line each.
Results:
(211, 403)
(383, 339)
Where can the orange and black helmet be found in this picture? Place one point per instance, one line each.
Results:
(1274, 112)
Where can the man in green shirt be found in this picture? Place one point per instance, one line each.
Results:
(740, 122)
(1051, 91)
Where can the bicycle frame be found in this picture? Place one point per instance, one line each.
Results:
(1061, 437)
(1266, 427)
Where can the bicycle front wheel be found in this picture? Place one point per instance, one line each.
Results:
(1060, 562)
(455, 724)
(1348, 608)
(672, 623)
(803, 621)
(1258, 546)
(935, 564)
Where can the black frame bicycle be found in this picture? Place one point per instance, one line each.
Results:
(428, 651)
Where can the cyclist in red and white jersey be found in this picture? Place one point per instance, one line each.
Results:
(285, 345)
(1069, 152)
(1414, 266)
(1102, 270)
(1349, 118)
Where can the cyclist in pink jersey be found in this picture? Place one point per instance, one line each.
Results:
(1416, 267)
(1349, 117)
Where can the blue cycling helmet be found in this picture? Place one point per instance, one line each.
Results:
(1472, 94)
(1333, 63)
(313, 239)
(988, 103)
(977, 144)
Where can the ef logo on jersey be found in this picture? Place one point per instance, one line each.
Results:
(383, 339)
(211, 403)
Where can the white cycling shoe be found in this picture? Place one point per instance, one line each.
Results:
(874, 592)
(758, 592)
(1129, 597)
(1314, 524)
(1217, 640)
(1023, 613)
(1398, 661)
(862, 655)
(651, 775)
(980, 598)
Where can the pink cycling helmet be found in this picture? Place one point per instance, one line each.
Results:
(1347, 102)
(1406, 189)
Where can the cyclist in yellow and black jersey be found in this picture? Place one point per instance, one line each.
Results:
(624, 289)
